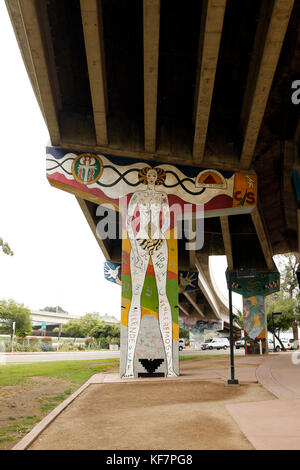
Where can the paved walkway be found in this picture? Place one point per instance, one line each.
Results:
(274, 424)
(271, 421)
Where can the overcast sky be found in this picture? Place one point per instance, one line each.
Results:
(57, 260)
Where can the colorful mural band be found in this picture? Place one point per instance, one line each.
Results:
(149, 318)
(107, 177)
(264, 283)
(188, 280)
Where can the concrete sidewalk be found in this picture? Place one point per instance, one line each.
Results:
(197, 396)
(266, 417)
(274, 424)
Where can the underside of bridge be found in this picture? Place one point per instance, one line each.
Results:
(203, 84)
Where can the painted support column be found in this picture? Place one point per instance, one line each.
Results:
(255, 326)
(156, 193)
(254, 291)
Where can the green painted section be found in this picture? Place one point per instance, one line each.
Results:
(149, 298)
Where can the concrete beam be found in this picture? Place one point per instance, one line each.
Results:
(209, 44)
(91, 13)
(263, 238)
(186, 313)
(34, 36)
(151, 57)
(270, 34)
(85, 209)
(190, 298)
(227, 241)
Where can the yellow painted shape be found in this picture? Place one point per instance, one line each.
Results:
(175, 331)
(242, 183)
(125, 306)
(148, 311)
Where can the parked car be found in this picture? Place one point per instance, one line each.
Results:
(288, 343)
(181, 344)
(216, 343)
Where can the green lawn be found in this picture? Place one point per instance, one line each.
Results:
(76, 372)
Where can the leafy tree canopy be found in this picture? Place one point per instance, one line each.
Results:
(6, 248)
(11, 311)
(91, 326)
(54, 309)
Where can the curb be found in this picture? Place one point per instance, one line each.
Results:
(27, 440)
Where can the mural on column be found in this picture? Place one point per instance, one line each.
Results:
(254, 291)
(149, 310)
(254, 323)
(200, 329)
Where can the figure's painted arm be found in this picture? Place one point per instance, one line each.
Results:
(165, 214)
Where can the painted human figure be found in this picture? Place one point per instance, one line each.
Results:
(149, 242)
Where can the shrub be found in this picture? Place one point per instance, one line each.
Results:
(46, 347)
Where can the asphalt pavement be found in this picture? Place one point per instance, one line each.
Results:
(89, 355)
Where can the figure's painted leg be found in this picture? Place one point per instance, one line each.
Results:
(134, 315)
(160, 265)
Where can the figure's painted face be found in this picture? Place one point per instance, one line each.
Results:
(151, 176)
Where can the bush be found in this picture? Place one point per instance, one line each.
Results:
(46, 347)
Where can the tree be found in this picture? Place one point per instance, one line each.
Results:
(10, 312)
(88, 322)
(287, 300)
(6, 248)
(183, 333)
(239, 319)
(73, 328)
(105, 331)
(54, 309)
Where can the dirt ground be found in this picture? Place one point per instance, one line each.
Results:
(21, 406)
(159, 416)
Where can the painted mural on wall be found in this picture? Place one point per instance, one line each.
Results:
(149, 320)
(200, 329)
(254, 323)
(187, 280)
(109, 177)
(112, 272)
(264, 283)
(149, 261)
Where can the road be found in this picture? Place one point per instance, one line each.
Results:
(90, 355)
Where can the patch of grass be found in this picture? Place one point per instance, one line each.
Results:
(76, 372)
(6, 439)
(201, 356)
(48, 403)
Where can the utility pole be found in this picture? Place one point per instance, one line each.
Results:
(13, 336)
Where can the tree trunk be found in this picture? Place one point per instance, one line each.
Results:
(282, 346)
(295, 334)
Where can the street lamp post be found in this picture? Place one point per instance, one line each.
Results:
(274, 313)
(232, 380)
(241, 273)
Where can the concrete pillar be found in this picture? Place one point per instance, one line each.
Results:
(255, 324)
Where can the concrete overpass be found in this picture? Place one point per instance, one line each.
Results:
(206, 85)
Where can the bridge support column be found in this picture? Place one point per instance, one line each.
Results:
(254, 290)
(255, 325)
